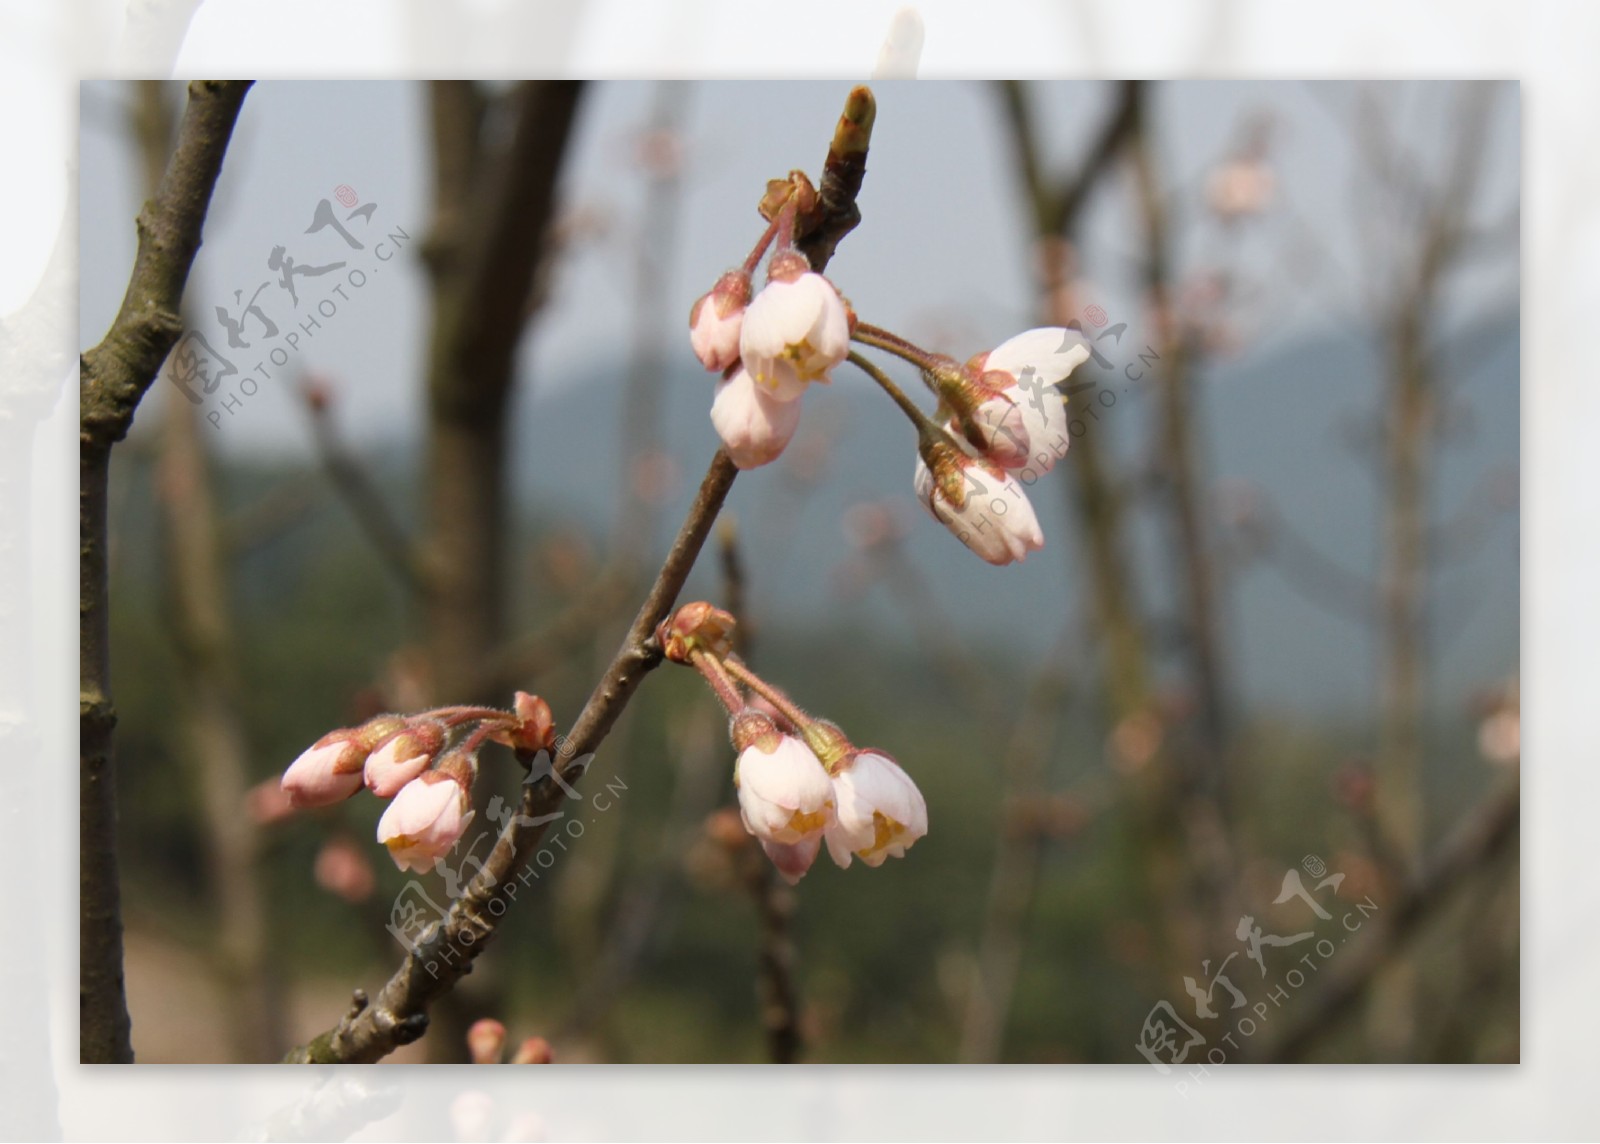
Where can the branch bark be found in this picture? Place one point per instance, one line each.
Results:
(207, 708)
(113, 377)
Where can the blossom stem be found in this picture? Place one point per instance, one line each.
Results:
(455, 716)
(717, 676)
(784, 705)
(880, 338)
(918, 418)
(760, 249)
(783, 225)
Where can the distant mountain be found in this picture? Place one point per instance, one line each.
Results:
(1290, 422)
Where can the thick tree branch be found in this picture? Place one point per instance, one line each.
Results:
(113, 377)
(399, 1013)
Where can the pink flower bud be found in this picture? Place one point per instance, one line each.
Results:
(328, 772)
(486, 1040)
(716, 320)
(794, 333)
(534, 1051)
(793, 859)
(536, 730)
(978, 502)
(425, 820)
(754, 425)
(784, 792)
(403, 757)
(880, 812)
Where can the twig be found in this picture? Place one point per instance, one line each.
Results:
(1019, 853)
(360, 494)
(207, 706)
(776, 988)
(113, 377)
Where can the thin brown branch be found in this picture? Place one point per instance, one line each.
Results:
(361, 496)
(113, 377)
(207, 708)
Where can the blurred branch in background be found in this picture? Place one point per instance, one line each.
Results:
(496, 162)
(113, 378)
(1030, 815)
(660, 155)
(212, 729)
(777, 986)
(358, 490)
(1486, 839)
(492, 210)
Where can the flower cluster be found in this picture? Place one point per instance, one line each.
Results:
(801, 783)
(412, 760)
(1001, 422)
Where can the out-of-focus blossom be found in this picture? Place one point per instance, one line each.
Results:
(486, 1041)
(534, 1051)
(343, 870)
(1240, 187)
(268, 802)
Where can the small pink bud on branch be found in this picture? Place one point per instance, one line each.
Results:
(486, 1041)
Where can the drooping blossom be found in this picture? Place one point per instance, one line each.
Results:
(879, 811)
(979, 502)
(425, 820)
(795, 331)
(785, 795)
(754, 425)
(1021, 419)
(716, 319)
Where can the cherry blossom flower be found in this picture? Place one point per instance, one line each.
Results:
(795, 331)
(425, 820)
(983, 506)
(754, 425)
(784, 792)
(879, 813)
(1020, 375)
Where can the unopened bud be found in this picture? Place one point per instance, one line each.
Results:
(534, 1051)
(697, 626)
(486, 1040)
